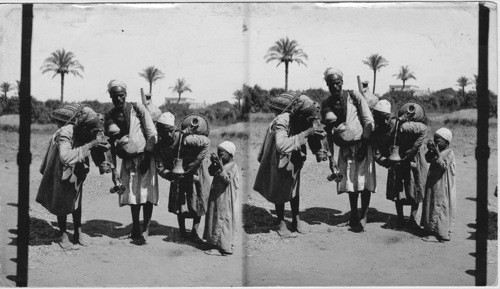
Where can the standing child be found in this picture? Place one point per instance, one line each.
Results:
(221, 221)
(438, 213)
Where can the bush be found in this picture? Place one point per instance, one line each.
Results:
(316, 94)
(99, 107)
(234, 134)
(180, 111)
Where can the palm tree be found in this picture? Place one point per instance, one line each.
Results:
(151, 74)
(375, 62)
(6, 87)
(405, 74)
(286, 51)
(238, 94)
(476, 80)
(180, 87)
(62, 62)
(463, 81)
(18, 87)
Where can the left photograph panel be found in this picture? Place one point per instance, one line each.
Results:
(138, 144)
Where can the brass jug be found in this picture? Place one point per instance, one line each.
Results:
(178, 169)
(394, 150)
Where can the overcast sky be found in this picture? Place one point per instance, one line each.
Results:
(218, 47)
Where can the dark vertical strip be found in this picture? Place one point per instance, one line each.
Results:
(482, 149)
(24, 154)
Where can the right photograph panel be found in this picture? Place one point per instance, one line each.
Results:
(361, 163)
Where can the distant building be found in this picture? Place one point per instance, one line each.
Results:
(169, 100)
(196, 105)
(190, 101)
(447, 93)
(407, 87)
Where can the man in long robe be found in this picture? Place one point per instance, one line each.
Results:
(134, 129)
(281, 158)
(355, 160)
(65, 168)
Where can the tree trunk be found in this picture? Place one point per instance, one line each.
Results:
(402, 88)
(5, 96)
(286, 76)
(179, 100)
(62, 87)
(374, 79)
(150, 88)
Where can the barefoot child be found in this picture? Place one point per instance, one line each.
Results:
(438, 213)
(221, 221)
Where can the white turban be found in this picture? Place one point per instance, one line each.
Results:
(444, 133)
(167, 118)
(383, 105)
(116, 83)
(333, 71)
(229, 147)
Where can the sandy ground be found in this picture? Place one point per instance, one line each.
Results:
(327, 255)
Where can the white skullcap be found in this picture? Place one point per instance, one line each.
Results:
(335, 72)
(383, 105)
(116, 83)
(167, 118)
(444, 133)
(229, 147)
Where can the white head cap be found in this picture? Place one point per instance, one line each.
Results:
(337, 74)
(383, 105)
(167, 118)
(116, 83)
(229, 147)
(444, 133)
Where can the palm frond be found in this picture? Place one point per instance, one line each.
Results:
(62, 62)
(463, 81)
(151, 74)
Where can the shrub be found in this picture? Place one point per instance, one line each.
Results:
(234, 134)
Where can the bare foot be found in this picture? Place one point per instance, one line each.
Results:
(145, 234)
(283, 230)
(430, 239)
(139, 241)
(358, 228)
(81, 238)
(362, 222)
(299, 227)
(65, 243)
(213, 252)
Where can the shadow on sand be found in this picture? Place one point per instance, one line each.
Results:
(44, 233)
(41, 233)
(259, 220)
(99, 228)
